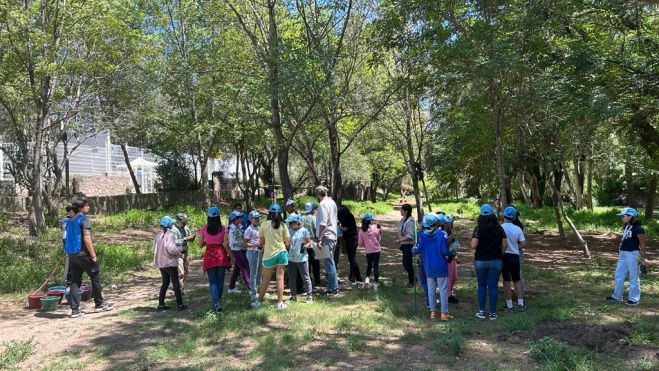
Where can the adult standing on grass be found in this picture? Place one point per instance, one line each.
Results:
(406, 239)
(82, 258)
(166, 254)
(183, 235)
(348, 225)
(436, 256)
(489, 241)
(275, 239)
(515, 241)
(239, 251)
(309, 222)
(326, 222)
(631, 258)
(253, 243)
(217, 257)
(298, 258)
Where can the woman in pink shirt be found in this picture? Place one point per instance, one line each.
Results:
(369, 238)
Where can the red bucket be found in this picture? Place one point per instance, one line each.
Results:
(34, 301)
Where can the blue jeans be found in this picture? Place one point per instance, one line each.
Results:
(330, 267)
(487, 273)
(628, 262)
(424, 281)
(433, 284)
(254, 260)
(216, 282)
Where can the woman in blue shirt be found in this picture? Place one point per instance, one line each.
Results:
(631, 257)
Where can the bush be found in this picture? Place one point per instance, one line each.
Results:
(174, 175)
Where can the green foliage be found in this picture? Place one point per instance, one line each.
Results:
(174, 175)
(15, 352)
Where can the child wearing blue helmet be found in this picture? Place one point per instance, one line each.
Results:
(165, 257)
(631, 258)
(515, 241)
(254, 257)
(275, 239)
(239, 250)
(489, 242)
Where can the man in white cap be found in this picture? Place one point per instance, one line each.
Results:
(183, 236)
(290, 208)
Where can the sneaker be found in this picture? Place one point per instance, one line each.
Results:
(218, 310)
(292, 298)
(105, 307)
(182, 307)
(493, 316)
(445, 317)
(453, 300)
(375, 286)
(481, 314)
(520, 308)
(161, 308)
(611, 298)
(366, 283)
(332, 294)
(433, 315)
(281, 305)
(631, 302)
(75, 313)
(233, 291)
(256, 304)
(309, 299)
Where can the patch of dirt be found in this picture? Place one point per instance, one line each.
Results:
(613, 338)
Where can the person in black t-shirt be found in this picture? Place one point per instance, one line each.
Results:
(348, 225)
(489, 241)
(631, 258)
(85, 261)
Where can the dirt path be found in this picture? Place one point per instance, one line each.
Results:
(56, 334)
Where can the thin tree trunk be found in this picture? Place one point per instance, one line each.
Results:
(335, 162)
(36, 218)
(629, 184)
(411, 163)
(652, 197)
(578, 184)
(522, 189)
(561, 207)
(589, 182)
(425, 192)
(136, 184)
(556, 197)
(495, 113)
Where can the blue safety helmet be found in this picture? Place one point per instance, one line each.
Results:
(368, 217)
(429, 220)
(628, 211)
(234, 215)
(293, 218)
(213, 211)
(274, 208)
(487, 210)
(254, 215)
(166, 221)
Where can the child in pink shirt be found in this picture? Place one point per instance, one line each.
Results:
(369, 238)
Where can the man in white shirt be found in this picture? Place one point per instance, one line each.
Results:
(326, 224)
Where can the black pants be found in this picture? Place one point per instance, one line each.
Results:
(314, 267)
(373, 261)
(170, 274)
(337, 253)
(351, 251)
(77, 265)
(407, 262)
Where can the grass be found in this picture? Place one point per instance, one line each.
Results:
(559, 356)
(15, 352)
(601, 219)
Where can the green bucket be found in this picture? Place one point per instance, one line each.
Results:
(49, 303)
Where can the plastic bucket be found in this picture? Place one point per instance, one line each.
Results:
(34, 302)
(86, 293)
(58, 293)
(49, 303)
(56, 288)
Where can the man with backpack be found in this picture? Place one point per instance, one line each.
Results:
(82, 258)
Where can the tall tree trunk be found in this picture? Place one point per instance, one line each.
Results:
(36, 218)
(335, 162)
(523, 190)
(589, 182)
(561, 207)
(136, 184)
(556, 197)
(629, 184)
(578, 183)
(275, 109)
(652, 197)
(411, 164)
(495, 115)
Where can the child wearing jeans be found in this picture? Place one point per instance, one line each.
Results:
(252, 242)
(369, 238)
(436, 256)
(298, 258)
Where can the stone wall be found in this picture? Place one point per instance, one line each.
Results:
(103, 185)
(116, 204)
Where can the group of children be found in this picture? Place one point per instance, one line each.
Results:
(254, 250)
